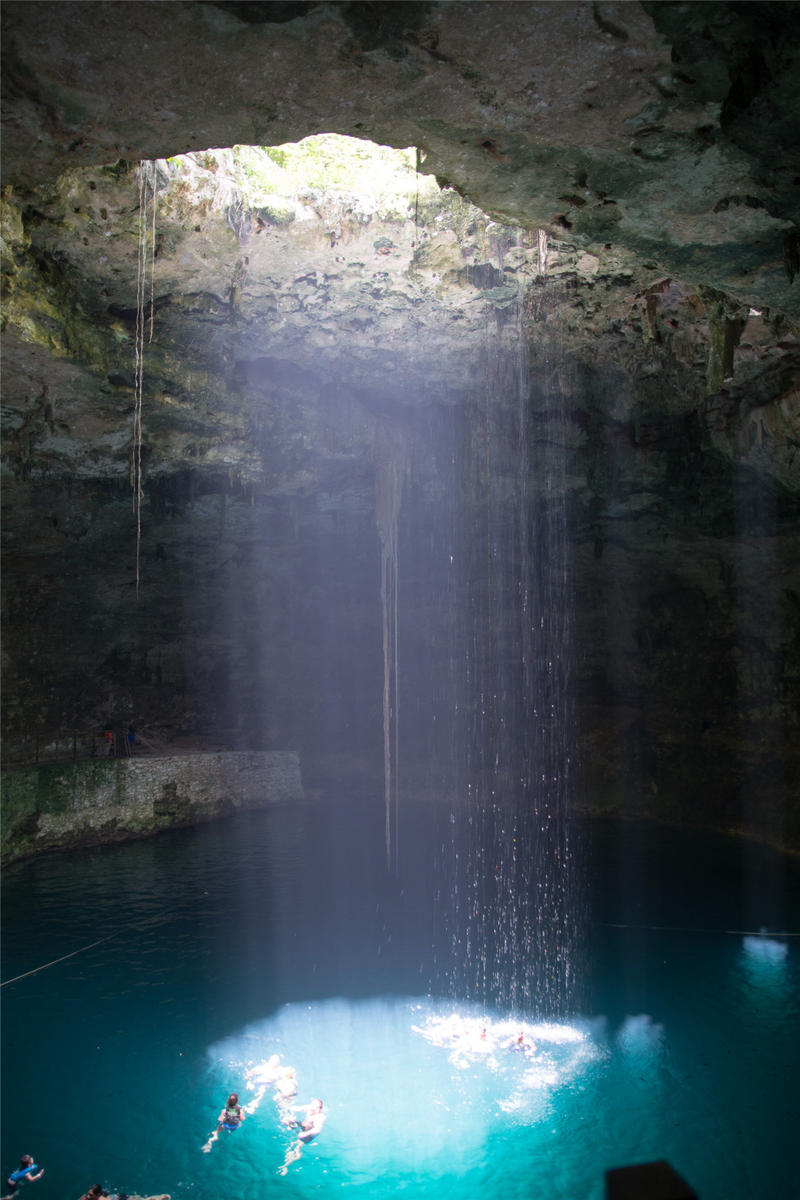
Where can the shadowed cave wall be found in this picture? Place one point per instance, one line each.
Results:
(652, 344)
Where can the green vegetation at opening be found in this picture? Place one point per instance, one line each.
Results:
(378, 180)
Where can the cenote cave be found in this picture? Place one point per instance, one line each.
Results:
(401, 599)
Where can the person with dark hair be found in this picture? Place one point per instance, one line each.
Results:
(232, 1114)
(95, 1192)
(229, 1119)
(26, 1172)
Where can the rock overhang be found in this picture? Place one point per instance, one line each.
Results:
(625, 122)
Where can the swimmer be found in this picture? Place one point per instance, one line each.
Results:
(484, 1043)
(520, 1042)
(26, 1172)
(229, 1119)
(264, 1072)
(315, 1119)
(310, 1127)
(259, 1078)
(311, 1124)
(232, 1115)
(287, 1085)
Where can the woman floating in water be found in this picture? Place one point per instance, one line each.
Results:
(229, 1119)
(232, 1114)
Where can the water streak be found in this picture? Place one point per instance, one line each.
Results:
(514, 909)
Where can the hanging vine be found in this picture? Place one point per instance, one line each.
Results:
(146, 179)
(390, 465)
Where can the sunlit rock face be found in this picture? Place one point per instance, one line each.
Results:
(667, 129)
(630, 262)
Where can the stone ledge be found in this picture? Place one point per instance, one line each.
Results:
(86, 803)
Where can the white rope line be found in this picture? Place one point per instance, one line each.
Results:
(63, 958)
(762, 933)
(604, 924)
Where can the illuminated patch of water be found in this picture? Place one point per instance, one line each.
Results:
(180, 963)
(410, 1087)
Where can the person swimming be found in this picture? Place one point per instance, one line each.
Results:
(229, 1119)
(232, 1114)
(314, 1120)
(309, 1128)
(520, 1042)
(26, 1172)
(264, 1073)
(285, 1091)
(287, 1085)
(259, 1078)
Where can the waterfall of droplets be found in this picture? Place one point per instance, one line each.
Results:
(513, 895)
(390, 466)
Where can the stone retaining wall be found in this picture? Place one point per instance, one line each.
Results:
(87, 803)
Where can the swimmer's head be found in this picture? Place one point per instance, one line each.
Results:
(233, 1099)
(26, 1160)
(316, 1106)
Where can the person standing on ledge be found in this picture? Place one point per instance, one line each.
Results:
(23, 1174)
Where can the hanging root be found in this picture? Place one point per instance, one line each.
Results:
(146, 175)
(391, 457)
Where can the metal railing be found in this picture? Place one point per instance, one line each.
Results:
(34, 749)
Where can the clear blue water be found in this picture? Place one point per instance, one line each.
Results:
(281, 932)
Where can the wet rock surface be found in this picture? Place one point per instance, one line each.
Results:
(634, 268)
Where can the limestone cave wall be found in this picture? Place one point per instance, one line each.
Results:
(588, 330)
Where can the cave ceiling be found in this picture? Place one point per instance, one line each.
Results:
(654, 145)
(666, 129)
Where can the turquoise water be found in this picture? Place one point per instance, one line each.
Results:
(281, 933)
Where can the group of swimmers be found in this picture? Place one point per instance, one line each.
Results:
(308, 1125)
(306, 1119)
(29, 1172)
(471, 1040)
